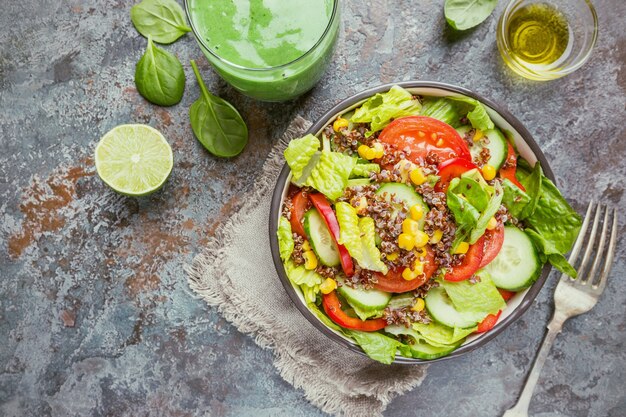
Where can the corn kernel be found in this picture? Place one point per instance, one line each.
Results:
(392, 256)
(329, 285)
(436, 237)
(419, 305)
(310, 260)
(492, 223)
(489, 172)
(370, 154)
(433, 136)
(405, 241)
(417, 211)
(440, 143)
(410, 226)
(478, 135)
(462, 248)
(417, 177)
(340, 123)
(379, 150)
(420, 239)
(421, 134)
(409, 275)
(362, 150)
(418, 267)
(306, 246)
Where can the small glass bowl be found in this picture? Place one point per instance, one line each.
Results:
(583, 32)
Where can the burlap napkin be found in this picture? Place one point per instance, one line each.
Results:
(235, 274)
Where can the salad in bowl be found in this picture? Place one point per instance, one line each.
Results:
(409, 225)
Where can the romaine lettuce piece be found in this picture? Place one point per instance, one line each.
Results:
(299, 152)
(480, 297)
(359, 238)
(380, 109)
(309, 281)
(366, 314)
(364, 170)
(377, 346)
(450, 110)
(442, 109)
(476, 113)
(487, 214)
(330, 175)
(435, 333)
(514, 199)
(285, 238)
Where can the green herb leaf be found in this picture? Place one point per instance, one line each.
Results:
(465, 14)
(164, 20)
(216, 123)
(159, 76)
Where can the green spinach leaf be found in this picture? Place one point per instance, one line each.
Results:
(159, 76)
(549, 251)
(162, 19)
(465, 14)
(216, 123)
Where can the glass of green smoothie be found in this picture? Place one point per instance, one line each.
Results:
(271, 50)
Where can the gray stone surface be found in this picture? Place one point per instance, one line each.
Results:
(95, 314)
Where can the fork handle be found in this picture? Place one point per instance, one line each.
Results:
(554, 328)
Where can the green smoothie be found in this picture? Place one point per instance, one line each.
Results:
(268, 49)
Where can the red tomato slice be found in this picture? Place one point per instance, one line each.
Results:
(299, 204)
(507, 295)
(332, 307)
(452, 168)
(488, 322)
(422, 134)
(393, 281)
(509, 168)
(470, 264)
(323, 207)
(493, 243)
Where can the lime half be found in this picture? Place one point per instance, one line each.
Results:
(134, 159)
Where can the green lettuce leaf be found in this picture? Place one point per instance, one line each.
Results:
(324, 318)
(437, 334)
(442, 109)
(476, 113)
(285, 238)
(359, 238)
(532, 184)
(366, 314)
(487, 214)
(364, 170)
(299, 152)
(551, 253)
(380, 109)
(309, 281)
(330, 175)
(481, 297)
(554, 219)
(465, 214)
(377, 346)
(514, 199)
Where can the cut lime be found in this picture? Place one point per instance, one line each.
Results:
(134, 160)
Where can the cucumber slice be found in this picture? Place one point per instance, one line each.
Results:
(406, 194)
(441, 309)
(419, 348)
(401, 301)
(320, 239)
(366, 300)
(497, 146)
(517, 265)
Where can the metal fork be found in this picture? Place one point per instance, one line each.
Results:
(575, 296)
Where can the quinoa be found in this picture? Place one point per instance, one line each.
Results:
(298, 253)
(405, 316)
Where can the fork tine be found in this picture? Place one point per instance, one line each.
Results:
(581, 235)
(591, 275)
(609, 255)
(590, 244)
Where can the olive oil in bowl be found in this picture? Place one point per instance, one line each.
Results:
(538, 35)
(544, 40)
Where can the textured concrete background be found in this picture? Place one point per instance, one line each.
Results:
(95, 314)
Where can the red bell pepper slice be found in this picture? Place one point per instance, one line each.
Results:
(452, 168)
(507, 295)
(488, 322)
(332, 307)
(323, 207)
(510, 166)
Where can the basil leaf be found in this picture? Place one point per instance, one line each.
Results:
(465, 14)
(162, 19)
(159, 76)
(216, 123)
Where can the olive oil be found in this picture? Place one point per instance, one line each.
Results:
(538, 36)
